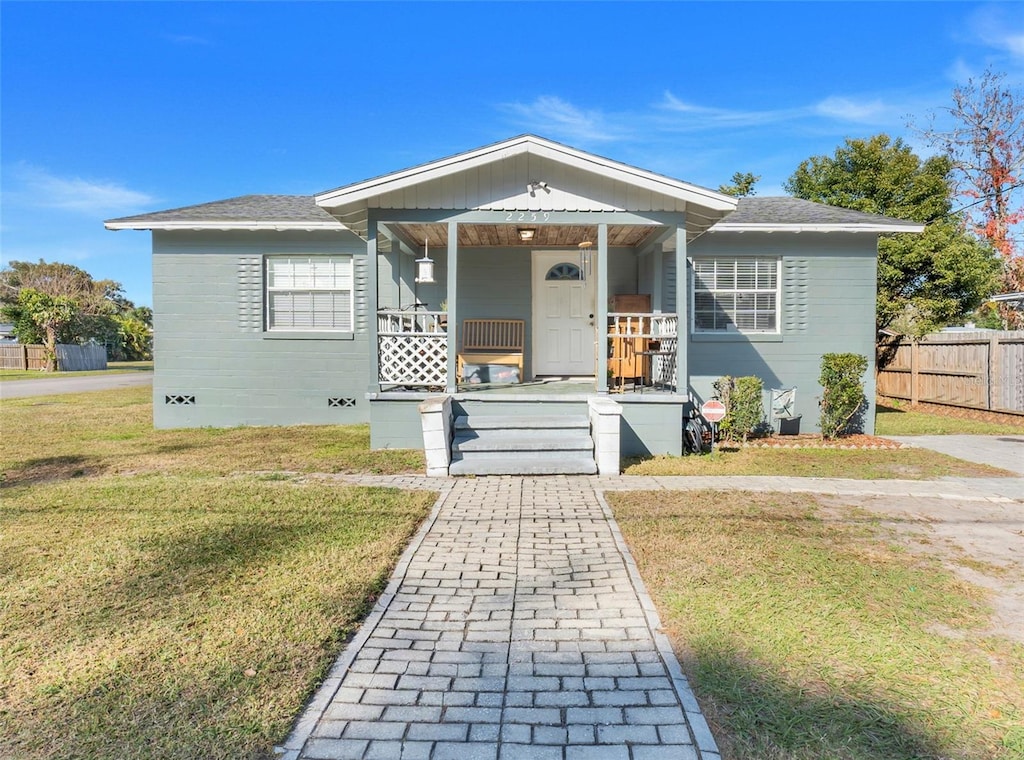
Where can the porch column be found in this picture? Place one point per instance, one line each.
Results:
(657, 291)
(371, 305)
(601, 310)
(453, 320)
(682, 314)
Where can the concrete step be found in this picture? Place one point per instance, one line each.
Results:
(523, 463)
(573, 439)
(522, 445)
(525, 421)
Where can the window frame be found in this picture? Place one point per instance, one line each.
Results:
(348, 282)
(732, 329)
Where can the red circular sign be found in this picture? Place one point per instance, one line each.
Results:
(713, 410)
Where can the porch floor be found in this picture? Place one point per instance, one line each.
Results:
(538, 389)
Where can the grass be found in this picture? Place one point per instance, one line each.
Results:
(178, 594)
(111, 433)
(806, 633)
(870, 464)
(891, 420)
(113, 368)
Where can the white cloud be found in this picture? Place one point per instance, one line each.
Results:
(994, 28)
(848, 109)
(551, 115)
(38, 187)
(705, 117)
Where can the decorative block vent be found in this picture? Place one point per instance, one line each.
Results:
(342, 403)
(180, 400)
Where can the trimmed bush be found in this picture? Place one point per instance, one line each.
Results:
(744, 406)
(842, 400)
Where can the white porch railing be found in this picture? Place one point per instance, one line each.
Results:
(660, 333)
(412, 348)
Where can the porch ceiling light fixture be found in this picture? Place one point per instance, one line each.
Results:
(526, 233)
(425, 266)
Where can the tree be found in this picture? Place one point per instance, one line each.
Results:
(926, 280)
(64, 304)
(986, 147)
(742, 185)
(48, 315)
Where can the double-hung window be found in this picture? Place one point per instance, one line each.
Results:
(738, 294)
(309, 293)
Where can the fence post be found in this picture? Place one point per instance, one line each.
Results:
(24, 357)
(995, 373)
(915, 362)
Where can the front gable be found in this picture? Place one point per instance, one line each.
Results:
(527, 174)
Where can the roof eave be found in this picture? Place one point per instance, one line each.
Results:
(222, 225)
(778, 227)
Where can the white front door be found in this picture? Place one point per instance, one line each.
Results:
(563, 315)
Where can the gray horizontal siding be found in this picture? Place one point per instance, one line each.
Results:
(828, 305)
(210, 345)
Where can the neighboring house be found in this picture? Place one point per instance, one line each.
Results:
(7, 333)
(274, 309)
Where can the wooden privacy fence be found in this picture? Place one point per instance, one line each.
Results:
(69, 358)
(973, 370)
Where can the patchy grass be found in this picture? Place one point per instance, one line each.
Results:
(808, 634)
(113, 368)
(868, 464)
(178, 594)
(111, 432)
(180, 617)
(891, 420)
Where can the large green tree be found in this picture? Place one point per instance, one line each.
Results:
(54, 302)
(924, 281)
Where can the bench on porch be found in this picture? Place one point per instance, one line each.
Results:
(492, 351)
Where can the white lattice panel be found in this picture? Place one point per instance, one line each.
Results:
(411, 359)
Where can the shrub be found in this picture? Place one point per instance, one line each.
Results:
(744, 406)
(842, 399)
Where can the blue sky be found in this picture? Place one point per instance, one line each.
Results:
(111, 109)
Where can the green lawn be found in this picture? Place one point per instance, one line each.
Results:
(870, 464)
(177, 594)
(809, 633)
(891, 420)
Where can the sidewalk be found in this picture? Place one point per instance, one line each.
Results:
(516, 626)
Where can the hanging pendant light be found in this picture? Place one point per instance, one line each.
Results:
(425, 266)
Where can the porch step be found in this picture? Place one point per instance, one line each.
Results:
(522, 445)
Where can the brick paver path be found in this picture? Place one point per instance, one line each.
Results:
(518, 628)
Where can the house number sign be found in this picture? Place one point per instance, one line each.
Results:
(527, 216)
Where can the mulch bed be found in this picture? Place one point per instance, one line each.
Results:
(815, 441)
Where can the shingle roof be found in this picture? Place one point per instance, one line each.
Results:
(783, 210)
(267, 209)
(301, 211)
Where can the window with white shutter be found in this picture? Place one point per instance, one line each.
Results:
(736, 295)
(309, 293)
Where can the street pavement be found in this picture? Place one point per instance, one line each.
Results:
(71, 384)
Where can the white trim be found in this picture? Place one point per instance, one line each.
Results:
(781, 227)
(223, 225)
(692, 275)
(362, 191)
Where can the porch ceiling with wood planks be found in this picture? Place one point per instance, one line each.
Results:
(545, 235)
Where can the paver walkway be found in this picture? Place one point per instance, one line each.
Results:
(517, 627)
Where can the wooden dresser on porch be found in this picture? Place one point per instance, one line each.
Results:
(626, 361)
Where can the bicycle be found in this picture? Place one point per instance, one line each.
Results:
(693, 432)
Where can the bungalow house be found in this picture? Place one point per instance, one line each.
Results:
(505, 307)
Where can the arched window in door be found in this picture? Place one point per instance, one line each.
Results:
(563, 271)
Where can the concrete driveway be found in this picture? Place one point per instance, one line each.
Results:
(1004, 451)
(71, 384)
